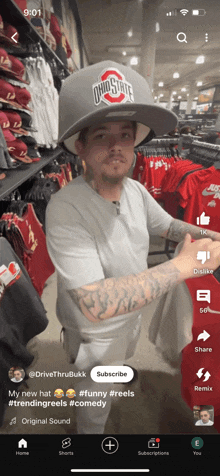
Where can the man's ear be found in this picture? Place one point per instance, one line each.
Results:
(79, 147)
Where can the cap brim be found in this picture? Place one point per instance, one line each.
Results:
(8, 135)
(26, 159)
(149, 118)
(12, 75)
(8, 102)
(4, 69)
(20, 106)
(19, 131)
(30, 129)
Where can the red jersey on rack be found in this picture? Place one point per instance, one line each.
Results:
(201, 358)
(139, 167)
(154, 174)
(170, 183)
(30, 245)
(199, 193)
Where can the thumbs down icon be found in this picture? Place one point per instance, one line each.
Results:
(203, 256)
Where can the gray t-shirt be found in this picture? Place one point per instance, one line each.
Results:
(88, 240)
(200, 423)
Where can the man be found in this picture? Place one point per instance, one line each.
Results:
(204, 418)
(17, 376)
(98, 227)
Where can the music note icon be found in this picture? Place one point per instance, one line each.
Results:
(13, 421)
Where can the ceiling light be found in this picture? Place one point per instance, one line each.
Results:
(195, 99)
(130, 33)
(155, 97)
(161, 95)
(160, 84)
(199, 83)
(179, 97)
(176, 75)
(124, 53)
(183, 90)
(200, 59)
(174, 92)
(188, 94)
(157, 27)
(134, 61)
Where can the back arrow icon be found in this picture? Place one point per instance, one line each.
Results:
(204, 336)
(13, 37)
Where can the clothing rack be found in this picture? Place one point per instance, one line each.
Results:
(27, 33)
(21, 174)
(31, 44)
(159, 144)
(204, 153)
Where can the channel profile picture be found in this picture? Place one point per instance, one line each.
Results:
(16, 374)
(203, 415)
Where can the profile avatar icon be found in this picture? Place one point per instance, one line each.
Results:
(16, 374)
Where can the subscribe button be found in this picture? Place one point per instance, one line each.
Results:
(112, 373)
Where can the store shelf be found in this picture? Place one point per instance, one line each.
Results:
(15, 178)
(27, 33)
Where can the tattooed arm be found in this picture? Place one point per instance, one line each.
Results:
(179, 228)
(115, 296)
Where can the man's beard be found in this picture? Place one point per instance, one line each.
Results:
(112, 180)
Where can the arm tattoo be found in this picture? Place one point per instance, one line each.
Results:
(116, 296)
(179, 228)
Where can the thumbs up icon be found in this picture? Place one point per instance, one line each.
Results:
(203, 220)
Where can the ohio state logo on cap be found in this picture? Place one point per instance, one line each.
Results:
(112, 88)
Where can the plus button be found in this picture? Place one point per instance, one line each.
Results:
(110, 445)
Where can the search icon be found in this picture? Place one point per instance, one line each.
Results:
(184, 37)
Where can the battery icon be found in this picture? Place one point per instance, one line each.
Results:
(200, 12)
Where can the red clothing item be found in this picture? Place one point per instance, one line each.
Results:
(199, 193)
(29, 243)
(169, 185)
(196, 366)
(139, 167)
(58, 33)
(58, 177)
(176, 172)
(154, 174)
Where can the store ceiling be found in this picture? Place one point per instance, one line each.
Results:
(105, 25)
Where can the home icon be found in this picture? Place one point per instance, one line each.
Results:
(22, 443)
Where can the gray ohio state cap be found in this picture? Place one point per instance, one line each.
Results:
(109, 92)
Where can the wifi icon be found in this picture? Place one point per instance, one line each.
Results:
(184, 11)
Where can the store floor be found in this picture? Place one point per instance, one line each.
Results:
(157, 406)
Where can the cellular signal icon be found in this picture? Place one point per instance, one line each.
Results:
(172, 14)
(184, 11)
